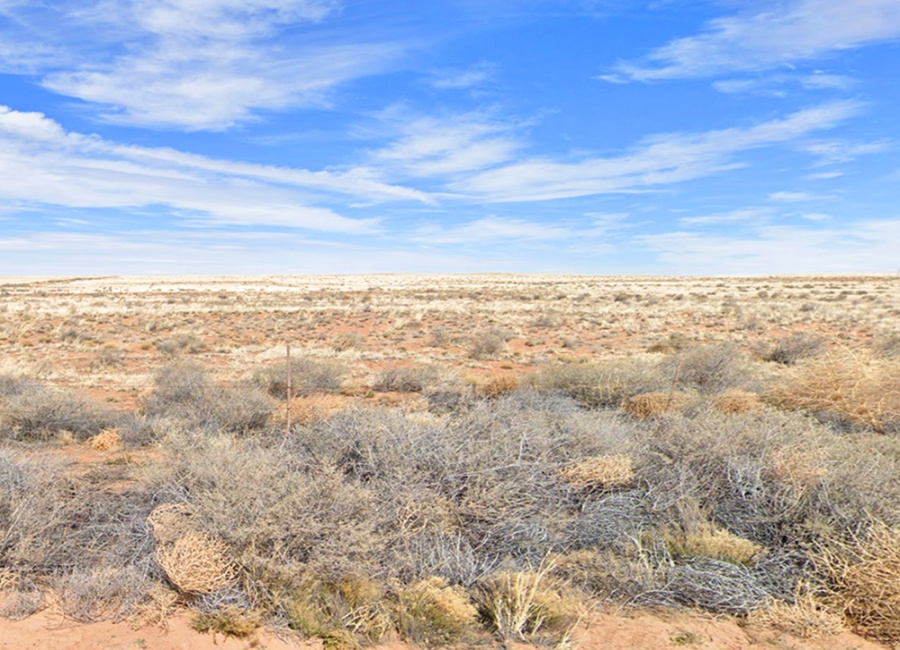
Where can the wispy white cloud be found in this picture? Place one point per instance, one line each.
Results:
(823, 176)
(155, 252)
(602, 223)
(42, 163)
(214, 90)
(490, 229)
(780, 85)
(821, 80)
(462, 78)
(862, 247)
(797, 197)
(769, 36)
(429, 146)
(743, 216)
(655, 162)
(189, 64)
(839, 151)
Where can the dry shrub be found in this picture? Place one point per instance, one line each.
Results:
(179, 381)
(610, 575)
(19, 596)
(12, 383)
(180, 343)
(808, 617)
(406, 380)
(527, 605)
(486, 345)
(159, 605)
(602, 385)
(887, 345)
(347, 340)
(736, 400)
(853, 387)
(649, 405)
(170, 521)
(108, 356)
(185, 391)
(800, 345)
(709, 369)
(433, 613)
(42, 412)
(19, 604)
(608, 471)
(106, 440)
(366, 611)
(712, 542)
(100, 593)
(497, 386)
(799, 468)
(340, 612)
(9, 580)
(308, 409)
(196, 563)
(866, 577)
(229, 621)
(440, 337)
(283, 513)
(308, 376)
(52, 522)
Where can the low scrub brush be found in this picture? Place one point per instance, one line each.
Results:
(712, 542)
(850, 387)
(433, 613)
(528, 605)
(865, 573)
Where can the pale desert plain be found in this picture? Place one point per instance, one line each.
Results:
(451, 461)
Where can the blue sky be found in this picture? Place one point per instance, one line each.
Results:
(730, 137)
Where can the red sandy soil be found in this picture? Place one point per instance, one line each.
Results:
(46, 631)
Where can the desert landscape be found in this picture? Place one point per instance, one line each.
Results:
(452, 461)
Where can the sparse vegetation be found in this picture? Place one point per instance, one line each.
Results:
(448, 481)
(30, 411)
(406, 380)
(308, 376)
(791, 349)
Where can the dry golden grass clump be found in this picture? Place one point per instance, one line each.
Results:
(524, 605)
(497, 386)
(196, 563)
(306, 409)
(852, 385)
(340, 612)
(608, 471)
(713, 542)
(807, 617)
(735, 400)
(648, 405)
(866, 575)
(106, 440)
(432, 612)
